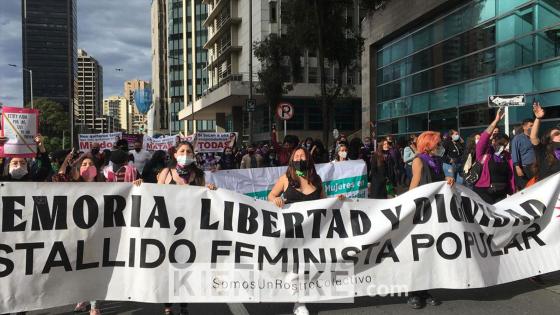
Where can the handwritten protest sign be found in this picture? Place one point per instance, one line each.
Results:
(20, 126)
(161, 143)
(214, 141)
(105, 140)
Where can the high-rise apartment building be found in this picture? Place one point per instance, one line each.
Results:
(136, 120)
(90, 91)
(117, 107)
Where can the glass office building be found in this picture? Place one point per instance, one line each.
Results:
(438, 76)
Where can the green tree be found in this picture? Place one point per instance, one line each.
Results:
(53, 122)
(272, 75)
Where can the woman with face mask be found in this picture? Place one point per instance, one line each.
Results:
(547, 151)
(182, 171)
(496, 180)
(24, 170)
(300, 183)
(427, 168)
(454, 147)
(227, 161)
(341, 152)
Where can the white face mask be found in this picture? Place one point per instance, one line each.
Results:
(342, 154)
(455, 137)
(439, 151)
(183, 160)
(18, 172)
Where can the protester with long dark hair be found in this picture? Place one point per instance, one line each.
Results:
(454, 147)
(300, 183)
(496, 179)
(409, 154)
(341, 153)
(318, 153)
(183, 171)
(378, 175)
(227, 161)
(154, 166)
(427, 168)
(547, 151)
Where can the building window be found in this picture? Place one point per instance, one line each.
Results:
(272, 10)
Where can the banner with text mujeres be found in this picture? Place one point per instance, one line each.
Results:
(68, 242)
(346, 178)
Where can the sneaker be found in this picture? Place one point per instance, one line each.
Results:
(80, 307)
(94, 311)
(415, 302)
(300, 309)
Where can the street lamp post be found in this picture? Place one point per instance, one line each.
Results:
(30, 80)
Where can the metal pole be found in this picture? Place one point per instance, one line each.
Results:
(63, 140)
(250, 68)
(31, 83)
(285, 128)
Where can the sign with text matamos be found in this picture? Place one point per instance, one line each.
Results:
(20, 126)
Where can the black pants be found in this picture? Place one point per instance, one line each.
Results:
(521, 181)
(490, 197)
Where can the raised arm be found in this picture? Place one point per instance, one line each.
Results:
(499, 115)
(539, 114)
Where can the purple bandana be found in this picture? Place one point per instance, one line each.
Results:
(557, 154)
(435, 163)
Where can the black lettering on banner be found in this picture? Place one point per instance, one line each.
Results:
(8, 264)
(132, 253)
(228, 216)
(489, 243)
(9, 211)
(416, 244)
(394, 219)
(369, 248)
(518, 217)
(458, 246)
(205, 207)
(470, 209)
(282, 255)
(135, 211)
(316, 213)
(247, 220)
(531, 205)
(500, 220)
(80, 265)
(486, 215)
(239, 252)
(175, 245)
(269, 222)
(159, 213)
(114, 206)
(534, 234)
(485, 253)
(440, 206)
(469, 241)
(42, 216)
(79, 215)
(218, 252)
(361, 224)
(309, 257)
(144, 253)
(107, 262)
(513, 243)
(337, 225)
(334, 258)
(57, 250)
(292, 222)
(387, 251)
(456, 209)
(295, 258)
(29, 248)
(351, 254)
(423, 210)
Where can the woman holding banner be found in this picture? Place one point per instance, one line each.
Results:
(182, 171)
(427, 168)
(300, 183)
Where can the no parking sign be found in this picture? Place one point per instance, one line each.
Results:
(285, 111)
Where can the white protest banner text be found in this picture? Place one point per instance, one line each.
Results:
(161, 143)
(206, 142)
(105, 140)
(66, 242)
(20, 126)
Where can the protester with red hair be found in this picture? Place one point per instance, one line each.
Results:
(427, 168)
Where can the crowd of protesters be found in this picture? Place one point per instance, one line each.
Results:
(504, 166)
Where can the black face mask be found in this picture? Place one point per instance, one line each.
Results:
(95, 151)
(137, 149)
(300, 166)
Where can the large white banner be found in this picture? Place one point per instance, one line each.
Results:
(68, 242)
(347, 178)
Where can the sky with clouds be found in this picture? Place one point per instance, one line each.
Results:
(116, 33)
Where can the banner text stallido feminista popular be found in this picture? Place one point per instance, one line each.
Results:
(86, 213)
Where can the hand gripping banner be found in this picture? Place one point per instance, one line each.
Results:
(66, 242)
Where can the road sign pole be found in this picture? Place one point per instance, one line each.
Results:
(285, 128)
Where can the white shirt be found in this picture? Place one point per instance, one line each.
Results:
(140, 159)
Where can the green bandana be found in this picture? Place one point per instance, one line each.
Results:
(300, 173)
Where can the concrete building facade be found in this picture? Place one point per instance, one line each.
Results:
(90, 91)
(158, 115)
(117, 107)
